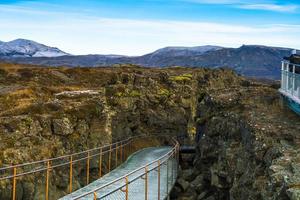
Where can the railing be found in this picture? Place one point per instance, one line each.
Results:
(156, 178)
(75, 167)
(290, 81)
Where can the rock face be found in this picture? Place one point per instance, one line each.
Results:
(49, 112)
(247, 145)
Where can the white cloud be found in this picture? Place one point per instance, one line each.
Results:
(80, 34)
(228, 1)
(270, 7)
(136, 37)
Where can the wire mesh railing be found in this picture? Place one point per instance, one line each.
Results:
(72, 171)
(151, 181)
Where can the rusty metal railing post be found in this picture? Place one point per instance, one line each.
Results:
(100, 163)
(146, 183)
(109, 159)
(88, 169)
(158, 179)
(126, 188)
(47, 180)
(172, 166)
(121, 152)
(130, 147)
(71, 175)
(14, 183)
(126, 194)
(124, 151)
(116, 155)
(167, 178)
(178, 156)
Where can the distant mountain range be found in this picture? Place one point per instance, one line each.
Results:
(28, 48)
(249, 60)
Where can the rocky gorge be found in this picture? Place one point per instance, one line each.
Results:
(247, 142)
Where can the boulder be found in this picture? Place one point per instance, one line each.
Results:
(62, 126)
(202, 195)
(183, 184)
(188, 175)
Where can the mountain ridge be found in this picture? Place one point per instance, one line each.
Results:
(28, 48)
(249, 60)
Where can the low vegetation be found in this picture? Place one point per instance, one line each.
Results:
(182, 78)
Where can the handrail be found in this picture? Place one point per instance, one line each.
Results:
(14, 172)
(64, 156)
(173, 151)
(59, 158)
(55, 166)
(290, 63)
(290, 73)
(124, 177)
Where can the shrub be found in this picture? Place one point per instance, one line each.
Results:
(182, 78)
(3, 72)
(164, 92)
(135, 93)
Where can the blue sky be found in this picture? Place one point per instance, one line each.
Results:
(135, 27)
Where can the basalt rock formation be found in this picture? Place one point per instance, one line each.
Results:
(247, 143)
(49, 112)
(248, 147)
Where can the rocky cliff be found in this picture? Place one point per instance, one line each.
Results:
(246, 143)
(48, 112)
(248, 147)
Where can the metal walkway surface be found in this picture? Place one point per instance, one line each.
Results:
(125, 169)
(136, 181)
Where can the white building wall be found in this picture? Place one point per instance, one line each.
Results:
(290, 81)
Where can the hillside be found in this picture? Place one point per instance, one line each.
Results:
(248, 60)
(28, 48)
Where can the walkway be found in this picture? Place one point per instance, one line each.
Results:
(147, 173)
(136, 186)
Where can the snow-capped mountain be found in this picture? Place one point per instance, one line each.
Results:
(28, 48)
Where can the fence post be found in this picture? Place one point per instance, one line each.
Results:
(100, 163)
(158, 179)
(71, 174)
(146, 183)
(172, 165)
(124, 150)
(14, 183)
(121, 152)
(116, 155)
(126, 190)
(178, 156)
(130, 147)
(47, 180)
(109, 159)
(167, 178)
(88, 169)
